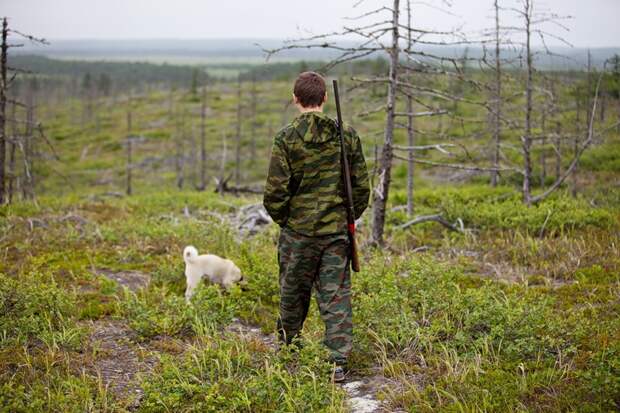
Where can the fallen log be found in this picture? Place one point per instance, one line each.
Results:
(251, 218)
(434, 218)
(221, 187)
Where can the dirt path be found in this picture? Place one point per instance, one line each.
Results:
(250, 332)
(362, 391)
(119, 360)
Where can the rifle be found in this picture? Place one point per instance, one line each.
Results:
(348, 189)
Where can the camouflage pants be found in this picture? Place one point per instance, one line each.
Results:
(323, 263)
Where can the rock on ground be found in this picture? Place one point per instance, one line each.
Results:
(134, 280)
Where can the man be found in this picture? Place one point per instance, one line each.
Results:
(305, 195)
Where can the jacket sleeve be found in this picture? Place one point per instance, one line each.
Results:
(276, 197)
(359, 176)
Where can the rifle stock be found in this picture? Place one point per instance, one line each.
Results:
(348, 189)
(355, 258)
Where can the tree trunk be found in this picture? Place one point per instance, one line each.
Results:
(527, 136)
(3, 85)
(589, 88)
(588, 117)
(129, 166)
(573, 181)
(254, 101)
(203, 140)
(223, 158)
(28, 150)
(603, 107)
(382, 191)
(410, 131)
(410, 163)
(192, 156)
(12, 153)
(558, 150)
(557, 139)
(543, 149)
(180, 151)
(496, 99)
(587, 142)
(238, 136)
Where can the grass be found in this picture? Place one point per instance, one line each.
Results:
(520, 312)
(456, 339)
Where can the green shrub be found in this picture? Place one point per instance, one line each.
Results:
(601, 158)
(36, 307)
(484, 207)
(233, 375)
(154, 311)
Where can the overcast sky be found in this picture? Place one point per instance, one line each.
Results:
(595, 23)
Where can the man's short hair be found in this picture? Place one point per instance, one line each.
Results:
(310, 89)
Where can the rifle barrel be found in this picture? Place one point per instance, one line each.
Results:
(348, 189)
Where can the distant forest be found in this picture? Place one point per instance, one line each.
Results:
(107, 77)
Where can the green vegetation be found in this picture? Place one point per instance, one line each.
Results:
(519, 311)
(455, 339)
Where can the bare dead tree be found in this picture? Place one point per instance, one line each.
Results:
(238, 135)
(191, 155)
(12, 173)
(27, 149)
(588, 86)
(381, 192)
(529, 87)
(497, 98)
(129, 143)
(580, 150)
(203, 139)
(383, 37)
(3, 98)
(543, 140)
(179, 143)
(603, 110)
(221, 181)
(579, 100)
(254, 122)
(87, 92)
(557, 134)
(458, 226)
(410, 130)
(5, 83)
(575, 140)
(171, 104)
(532, 21)
(557, 149)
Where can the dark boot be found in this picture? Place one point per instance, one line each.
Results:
(339, 374)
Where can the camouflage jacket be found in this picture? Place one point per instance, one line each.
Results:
(305, 190)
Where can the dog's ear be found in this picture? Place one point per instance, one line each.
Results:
(190, 252)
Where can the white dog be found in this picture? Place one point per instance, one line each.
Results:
(219, 270)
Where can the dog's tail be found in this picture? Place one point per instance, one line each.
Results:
(189, 254)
